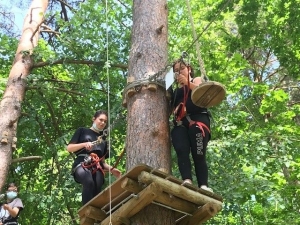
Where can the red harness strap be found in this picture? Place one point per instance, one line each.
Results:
(181, 107)
(95, 163)
(200, 125)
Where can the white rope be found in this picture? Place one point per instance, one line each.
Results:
(200, 60)
(108, 105)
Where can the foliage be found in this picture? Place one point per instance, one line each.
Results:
(250, 46)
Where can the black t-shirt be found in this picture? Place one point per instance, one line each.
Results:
(191, 108)
(82, 135)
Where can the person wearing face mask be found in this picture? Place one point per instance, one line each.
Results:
(10, 211)
(83, 145)
(191, 131)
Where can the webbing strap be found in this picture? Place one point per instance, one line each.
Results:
(199, 124)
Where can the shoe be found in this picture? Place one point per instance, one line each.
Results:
(186, 181)
(204, 187)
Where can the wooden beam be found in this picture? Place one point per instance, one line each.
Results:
(94, 213)
(86, 221)
(123, 220)
(178, 190)
(131, 185)
(177, 204)
(134, 205)
(211, 210)
(203, 214)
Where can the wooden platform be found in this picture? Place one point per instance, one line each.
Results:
(143, 185)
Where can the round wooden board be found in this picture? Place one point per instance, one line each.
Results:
(208, 94)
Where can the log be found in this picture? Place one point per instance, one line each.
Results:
(94, 213)
(178, 190)
(203, 214)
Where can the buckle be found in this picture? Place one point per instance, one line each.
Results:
(178, 123)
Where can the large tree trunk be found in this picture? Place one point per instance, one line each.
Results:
(148, 139)
(10, 106)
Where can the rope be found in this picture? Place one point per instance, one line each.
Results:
(201, 63)
(208, 25)
(154, 78)
(108, 105)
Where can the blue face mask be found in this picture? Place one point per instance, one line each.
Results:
(11, 194)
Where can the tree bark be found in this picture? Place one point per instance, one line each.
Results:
(10, 105)
(148, 138)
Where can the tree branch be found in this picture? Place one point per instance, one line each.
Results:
(74, 61)
(28, 158)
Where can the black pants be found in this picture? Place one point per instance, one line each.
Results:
(91, 183)
(189, 139)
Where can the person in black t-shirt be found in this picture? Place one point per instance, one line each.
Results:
(191, 131)
(10, 211)
(91, 178)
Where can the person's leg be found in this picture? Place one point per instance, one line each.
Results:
(84, 176)
(98, 181)
(198, 148)
(181, 144)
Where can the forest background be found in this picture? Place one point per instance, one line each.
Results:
(251, 46)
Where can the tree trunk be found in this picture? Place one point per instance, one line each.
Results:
(148, 138)
(10, 106)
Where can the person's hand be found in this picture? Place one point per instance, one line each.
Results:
(117, 173)
(181, 79)
(88, 146)
(5, 206)
(1, 223)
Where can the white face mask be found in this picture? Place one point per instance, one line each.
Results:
(96, 128)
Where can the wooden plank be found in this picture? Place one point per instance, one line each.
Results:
(134, 205)
(178, 190)
(179, 198)
(104, 197)
(174, 203)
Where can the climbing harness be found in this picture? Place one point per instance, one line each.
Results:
(92, 162)
(180, 110)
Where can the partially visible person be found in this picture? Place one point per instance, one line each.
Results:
(191, 131)
(91, 177)
(10, 211)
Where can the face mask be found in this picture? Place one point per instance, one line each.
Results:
(96, 128)
(11, 194)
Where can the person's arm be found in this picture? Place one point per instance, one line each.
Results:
(181, 79)
(12, 211)
(114, 171)
(75, 147)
